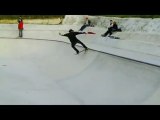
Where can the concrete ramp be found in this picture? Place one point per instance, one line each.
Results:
(48, 72)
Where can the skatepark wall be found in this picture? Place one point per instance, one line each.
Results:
(126, 24)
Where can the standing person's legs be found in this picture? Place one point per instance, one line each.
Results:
(82, 44)
(19, 33)
(73, 46)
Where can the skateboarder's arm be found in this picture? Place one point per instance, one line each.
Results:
(63, 34)
(77, 33)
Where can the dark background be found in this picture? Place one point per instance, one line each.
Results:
(80, 7)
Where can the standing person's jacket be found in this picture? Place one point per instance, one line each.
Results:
(20, 25)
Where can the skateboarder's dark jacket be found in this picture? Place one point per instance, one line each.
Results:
(72, 36)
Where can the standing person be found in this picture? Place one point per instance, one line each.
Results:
(86, 24)
(112, 28)
(72, 37)
(20, 27)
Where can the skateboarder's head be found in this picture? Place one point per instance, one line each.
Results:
(71, 30)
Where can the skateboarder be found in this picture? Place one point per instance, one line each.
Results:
(72, 37)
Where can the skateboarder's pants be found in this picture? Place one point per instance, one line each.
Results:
(74, 43)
